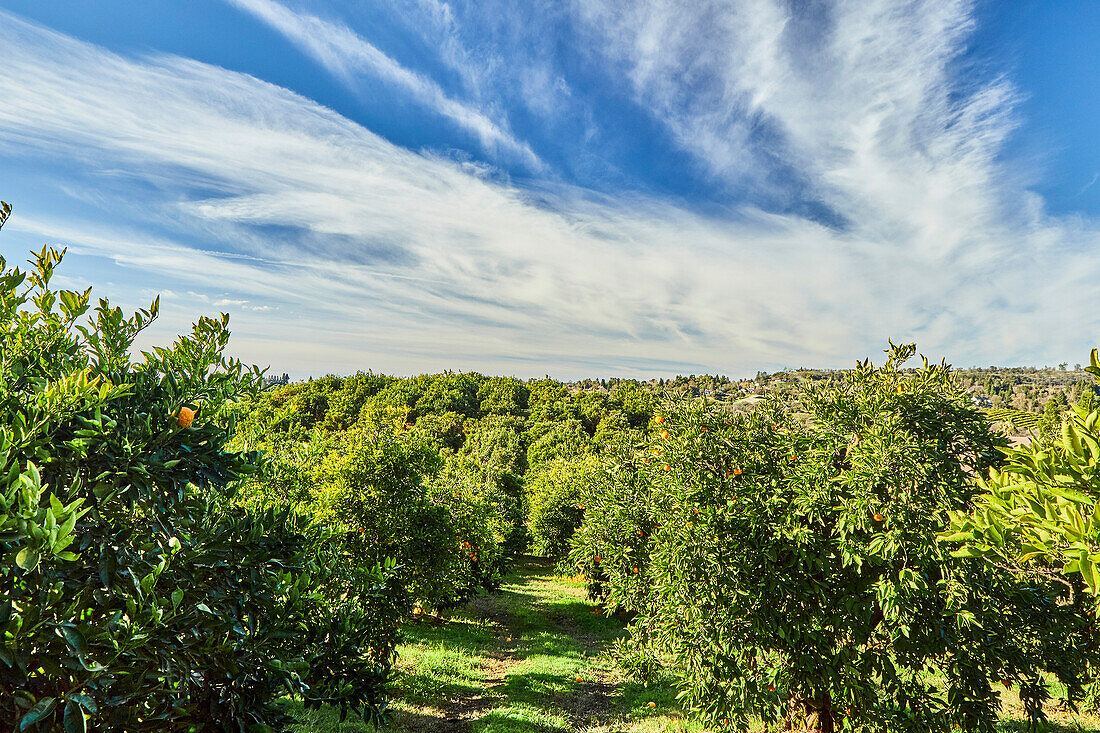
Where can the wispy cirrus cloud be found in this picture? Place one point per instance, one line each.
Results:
(369, 255)
(348, 55)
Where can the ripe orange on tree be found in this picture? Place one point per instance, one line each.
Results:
(186, 417)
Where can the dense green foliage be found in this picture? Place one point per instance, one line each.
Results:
(1039, 512)
(785, 562)
(133, 594)
(439, 472)
(557, 493)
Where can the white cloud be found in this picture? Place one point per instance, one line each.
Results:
(403, 262)
(348, 55)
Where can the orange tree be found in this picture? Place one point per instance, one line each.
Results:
(1038, 514)
(784, 563)
(133, 594)
(381, 488)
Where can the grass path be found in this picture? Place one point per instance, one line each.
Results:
(532, 658)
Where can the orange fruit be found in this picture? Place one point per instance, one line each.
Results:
(651, 704)
(664, 435)
(668, 467)
(658, 419)
(877, 517)
(635, 569)
(186, 417)
(737, 472)
(580, 679)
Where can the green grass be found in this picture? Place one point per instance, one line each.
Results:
(510, 662)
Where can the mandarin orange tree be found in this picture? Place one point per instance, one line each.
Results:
(379, 487)
(1038, 514)
(556, 499)
(784, 563)
(133, 594)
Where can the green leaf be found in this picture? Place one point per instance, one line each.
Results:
(959, 537)
(85, 702)
(968, 552)
(75, 719)
(76, 641)
(41, 710)
(27, 559)
(106, 567)
(1088, 572)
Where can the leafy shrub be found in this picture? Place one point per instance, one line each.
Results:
(381, 491)
(611, 547)
(549, 441)
(133, 595)
(557, 494)
(634, 402)
(1038, 513)
(785, 563)
(372, 486)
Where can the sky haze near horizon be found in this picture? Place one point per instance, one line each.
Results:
(588, 188)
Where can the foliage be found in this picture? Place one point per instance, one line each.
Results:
(133, 595)
(786, 565)
(388, 492)
(1039, 513)
(557, 494)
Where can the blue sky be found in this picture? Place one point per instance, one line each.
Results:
(591, 187)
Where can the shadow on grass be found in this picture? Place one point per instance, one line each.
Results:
(456, 632)
(577, 615)
(535, 688)
(420, 688)
(519, 719)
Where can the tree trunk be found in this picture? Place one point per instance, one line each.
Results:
(811, 714)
